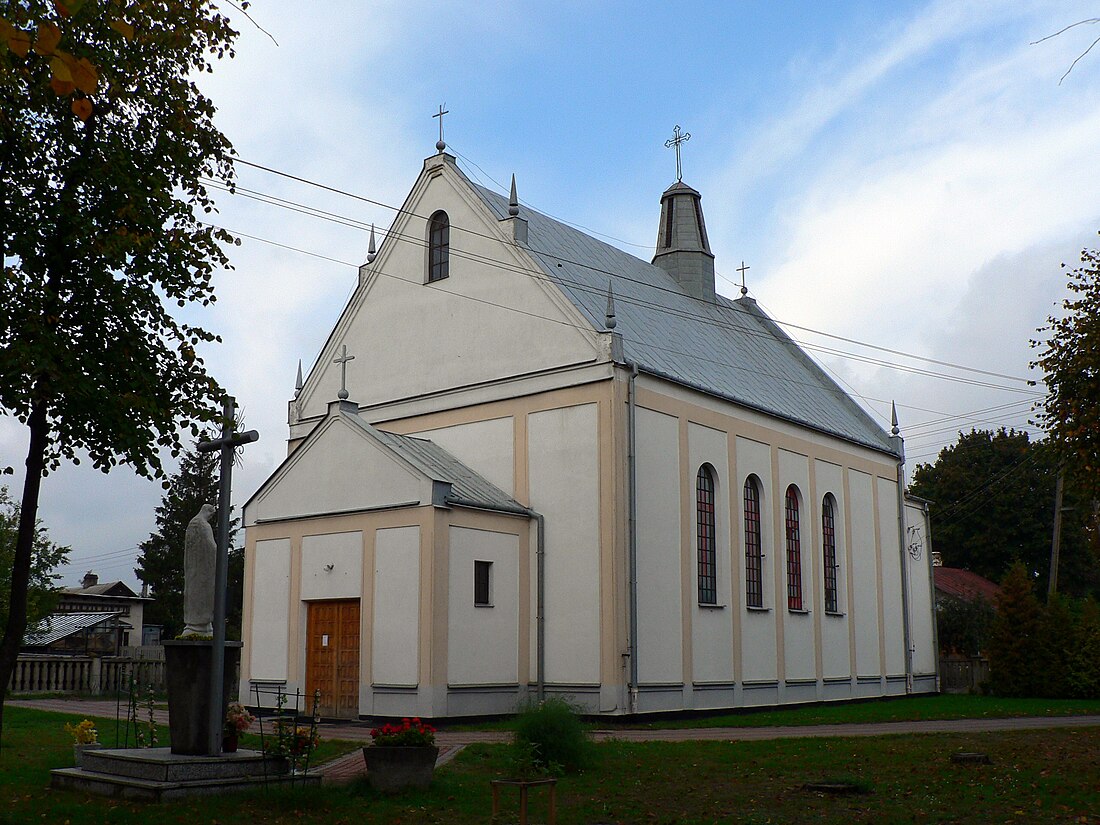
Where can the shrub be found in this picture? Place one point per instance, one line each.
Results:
(963, 626)
(1083, 677)
(550, 737)
(1014, 643)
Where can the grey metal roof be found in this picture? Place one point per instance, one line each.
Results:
(730, 349)
(467, 486)
(112, 590)
(59, 625)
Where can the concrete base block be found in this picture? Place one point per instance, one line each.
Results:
(157, 774)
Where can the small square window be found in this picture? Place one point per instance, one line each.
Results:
(483, 590)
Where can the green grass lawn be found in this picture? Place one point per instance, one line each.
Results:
(944, 706)
(1035, 776)
(901, 709)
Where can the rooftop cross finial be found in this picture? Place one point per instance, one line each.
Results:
(439, 144)
(343, 362)
(743, 269)
(676, 140)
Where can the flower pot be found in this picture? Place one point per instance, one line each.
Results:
(229, 742)
(78, 752)
(392, 769)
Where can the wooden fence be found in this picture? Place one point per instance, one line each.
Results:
(963, 674)
(39, 673)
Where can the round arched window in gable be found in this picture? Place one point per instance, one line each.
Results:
(439, 246)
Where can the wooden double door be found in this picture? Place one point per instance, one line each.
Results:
(332, 656)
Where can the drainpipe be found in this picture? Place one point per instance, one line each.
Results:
(932, 587)
(899, 444)
(540, 615)
(632, 535)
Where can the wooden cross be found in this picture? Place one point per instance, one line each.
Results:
(743, 269)
(676, 140)
(343, 362)
(441, 145)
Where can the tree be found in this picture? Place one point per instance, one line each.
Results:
(962, 625)
(1014, 643)
(105, 144)
(1070, 360)
(994, 504)
(160, 564)
(47, 556)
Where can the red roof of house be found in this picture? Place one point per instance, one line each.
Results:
(963, 584)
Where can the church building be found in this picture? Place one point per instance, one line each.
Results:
(528, 464)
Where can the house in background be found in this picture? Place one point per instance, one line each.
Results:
(107, 597)
(527, 463)
(76, 634)
(967, 586)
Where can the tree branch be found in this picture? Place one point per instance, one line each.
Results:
(1063, 31)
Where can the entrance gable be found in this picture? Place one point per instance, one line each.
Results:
(339, 468)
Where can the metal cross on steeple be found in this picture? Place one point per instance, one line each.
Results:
(440, 145)
(343, 362)
(743, 269)
(676, 140)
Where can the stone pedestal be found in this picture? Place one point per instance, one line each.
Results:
(157, 775)
(187, 667)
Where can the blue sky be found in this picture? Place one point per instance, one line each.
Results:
(909, 175)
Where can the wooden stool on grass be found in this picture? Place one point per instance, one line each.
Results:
(523, 785)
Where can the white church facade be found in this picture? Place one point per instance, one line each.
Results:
(552, 468)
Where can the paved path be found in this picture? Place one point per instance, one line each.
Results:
(347, 767)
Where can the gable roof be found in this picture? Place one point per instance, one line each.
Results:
(57, 626)
(730, 349)
(451, 481)
(467, 486)
(964, 584)
(117, 590)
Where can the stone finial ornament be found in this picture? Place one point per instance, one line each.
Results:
(894, 419)
(513, 201)
(609, 321)
(372, 248)
(298, 383)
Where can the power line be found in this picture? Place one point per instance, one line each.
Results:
(622, 299)
(837, 392)
(951, 417)
(398, 210)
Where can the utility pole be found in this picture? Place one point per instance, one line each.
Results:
(1056, 540)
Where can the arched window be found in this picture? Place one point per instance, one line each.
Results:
(754, 556)
(794, 552)
(828, 549)
(704, 530)
(439, 246)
